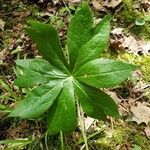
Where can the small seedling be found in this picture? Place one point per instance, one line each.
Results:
(141, 21)
(61, 81)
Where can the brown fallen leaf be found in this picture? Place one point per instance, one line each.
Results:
(140, 87)
(135, 46)
(73, 2)
(141, 112)
(147, 131)
(144, 46)
(14, 2)
(104, 5)
(97, 5)
(2, 24)
(117, 31)
(2, 147)
(119, 41)
(88, 121)
(113, 3)
(146, 5)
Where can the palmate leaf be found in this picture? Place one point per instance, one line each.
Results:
(37, 101)
(95, 102)
(96, 45)
(36, 71)
(58, 84)
(79, 32)
(86, 41)
(104, 73)
(47, 42)
(62, 115)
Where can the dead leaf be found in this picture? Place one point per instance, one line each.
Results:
(14, 2)
(1, 57)
(55, 1)
(88, 121)
(2, 24)
(135, 45)
(141, 113)
(131, 43)
(97, 6)
(146, 5)
(73, 2)
(140, 87)
(103, 5)
(112, 3)
(117, 31)
(145, 46)
(119, 41)
(117, 44)
(147, 131)
(2, 147)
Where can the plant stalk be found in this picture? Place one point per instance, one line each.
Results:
(62, 140)
(46, 142)
(82, 125)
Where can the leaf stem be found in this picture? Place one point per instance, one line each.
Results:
(62, 140)
(46, 141)
(82, 125)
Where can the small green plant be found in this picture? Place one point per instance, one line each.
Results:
(61, 81)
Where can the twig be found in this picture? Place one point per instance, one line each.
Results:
(81, 121)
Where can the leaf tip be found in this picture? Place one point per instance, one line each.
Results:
(133, 67)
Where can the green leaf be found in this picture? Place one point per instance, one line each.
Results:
(47, 41)
(96, 103)
(37, 101)
(62, 115)
(140, 21)
(97, 44)
(18, 143)
(4, 108)
(79, 32)
(147, 18)
(20, 140)
(36, 71)
(51, 36)
(59, 79)
(30, 78)
(88, 105)
(104, 73)
(41, 66)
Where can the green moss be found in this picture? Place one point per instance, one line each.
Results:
(34, 9)
(129, 14)
(112, 138)
(128, 4)
(104, 144)
(142, 31)
(119, 136)
(35, 13)
(143, 62)
(121, 133)
(145, 67)
(142, 141)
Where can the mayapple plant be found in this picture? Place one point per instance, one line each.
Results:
(61, 80)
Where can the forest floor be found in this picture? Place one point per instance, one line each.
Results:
(130, 41)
